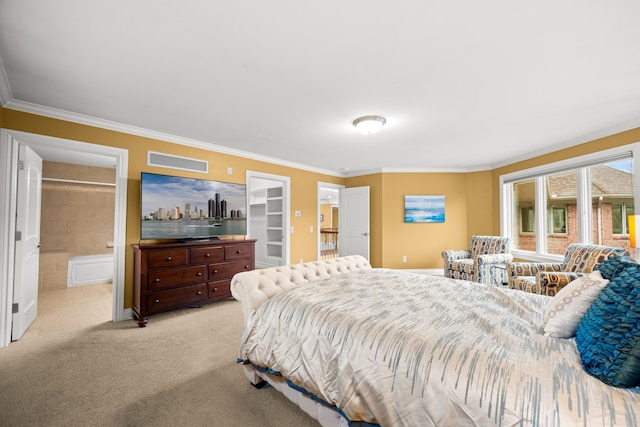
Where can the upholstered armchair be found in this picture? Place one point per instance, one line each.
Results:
(549, 278)
(484, 262)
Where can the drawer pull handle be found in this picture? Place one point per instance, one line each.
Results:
(169, 258)
(199, 293)
(215, 271)
(156, 301)
(207, 255)
(246, 267)
(199, 274)
(238, 251)
(215, 289)
(156, 280)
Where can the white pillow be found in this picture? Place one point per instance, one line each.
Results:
(565, 310)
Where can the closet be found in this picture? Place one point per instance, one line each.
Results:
(266, 223)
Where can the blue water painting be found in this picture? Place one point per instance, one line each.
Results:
(423, 208)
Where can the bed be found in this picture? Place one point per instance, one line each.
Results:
(355, 345)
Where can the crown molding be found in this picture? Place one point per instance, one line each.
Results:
(352, 174)
(55, 113)
(5, 94)
(587, 137)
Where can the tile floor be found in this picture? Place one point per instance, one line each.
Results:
(77, 307)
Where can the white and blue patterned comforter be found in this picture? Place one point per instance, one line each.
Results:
(402, 349)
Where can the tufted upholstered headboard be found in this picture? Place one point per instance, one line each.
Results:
(252, 288)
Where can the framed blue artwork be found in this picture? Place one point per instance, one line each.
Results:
(423, 208)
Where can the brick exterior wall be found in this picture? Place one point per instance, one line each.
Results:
(558, 242)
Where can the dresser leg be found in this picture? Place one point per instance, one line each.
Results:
(142, 321)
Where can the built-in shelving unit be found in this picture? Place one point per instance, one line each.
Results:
(275, 222)
(267, 225)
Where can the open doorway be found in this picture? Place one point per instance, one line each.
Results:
(268, 217)
(67, 151)
(328, 220)
(75, 274)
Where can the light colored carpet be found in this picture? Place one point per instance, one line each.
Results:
(179, 370)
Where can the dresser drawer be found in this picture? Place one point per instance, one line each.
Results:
(238, 251)
(220, 289)
(165, 259)
(207, 255)
(226, 270)
(165, 279)
(159, 301)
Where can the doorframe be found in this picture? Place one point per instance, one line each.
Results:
(338, 187)
(286, 187)
(9, 140)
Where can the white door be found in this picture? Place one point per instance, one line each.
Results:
(27, 249)
(354, 222)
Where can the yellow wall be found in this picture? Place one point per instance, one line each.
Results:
(328, 218)
(471, 199)
(422, 243)
(303, 183)
(392, 238)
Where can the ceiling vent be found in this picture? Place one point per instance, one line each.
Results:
(176, 162)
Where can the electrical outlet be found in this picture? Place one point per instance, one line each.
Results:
(404, 258)
(229, 171)
(311, 229)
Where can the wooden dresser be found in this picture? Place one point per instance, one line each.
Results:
(173, 275)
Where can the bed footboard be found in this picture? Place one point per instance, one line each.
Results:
(252, 288)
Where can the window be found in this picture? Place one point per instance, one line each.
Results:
(527, 219)
(558, 219)
(620, 217)
(524, 197)
(582, 200)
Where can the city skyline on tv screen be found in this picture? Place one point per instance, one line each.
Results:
(166, 191)
(174, 207)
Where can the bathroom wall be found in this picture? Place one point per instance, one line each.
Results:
(77, 217)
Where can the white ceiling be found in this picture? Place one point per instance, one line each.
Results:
(464, 85)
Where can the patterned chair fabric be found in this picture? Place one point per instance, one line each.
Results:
(549, 278)
(484, 262)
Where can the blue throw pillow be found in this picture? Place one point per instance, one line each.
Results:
(608, 335)
(614, 264)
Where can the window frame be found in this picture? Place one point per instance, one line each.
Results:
(583, 179)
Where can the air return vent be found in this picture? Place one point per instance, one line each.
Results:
(176, 162)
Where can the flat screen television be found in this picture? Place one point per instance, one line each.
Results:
(188, 209)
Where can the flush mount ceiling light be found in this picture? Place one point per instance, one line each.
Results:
(368, 125)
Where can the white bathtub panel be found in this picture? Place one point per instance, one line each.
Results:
(84, 270)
